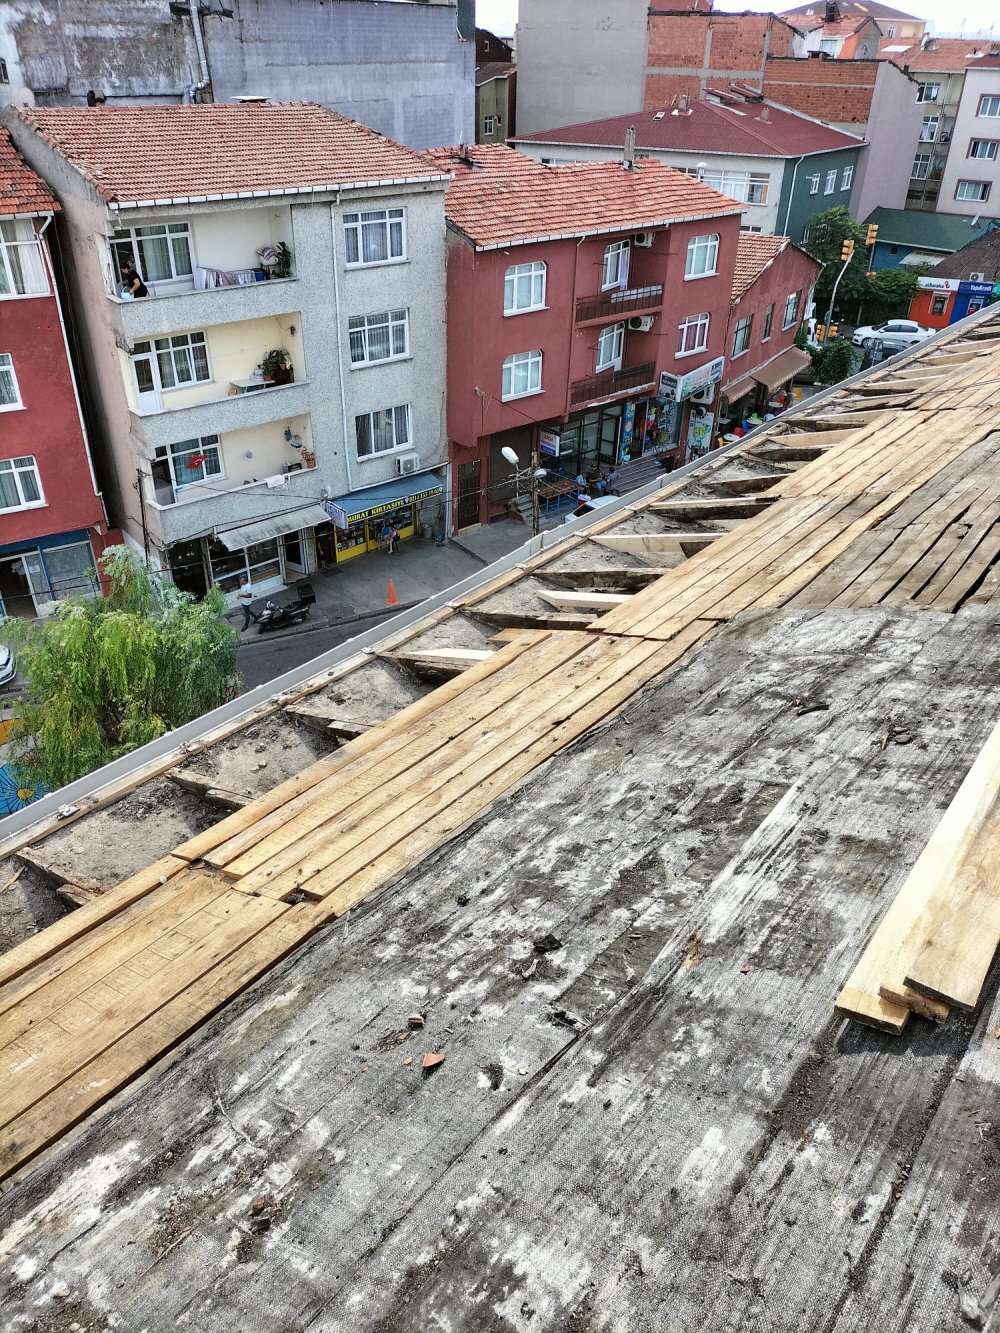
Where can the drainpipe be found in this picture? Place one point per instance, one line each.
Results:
(340, 341)
(791, 194)
(199, 40)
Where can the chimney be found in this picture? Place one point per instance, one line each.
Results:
(628, 161)
(683, 104)
(830, 14)
(765, 113)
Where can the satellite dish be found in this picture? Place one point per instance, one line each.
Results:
(22, 98)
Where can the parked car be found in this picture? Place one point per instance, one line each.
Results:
(878, 350)
(900, 330)
(588, 506)
(8, 667)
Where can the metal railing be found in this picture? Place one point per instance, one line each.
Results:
(618, 381)
(613, 304)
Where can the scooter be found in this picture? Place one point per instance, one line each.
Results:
(292, 613)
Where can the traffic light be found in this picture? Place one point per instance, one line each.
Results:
(871, 234)
(847, 250)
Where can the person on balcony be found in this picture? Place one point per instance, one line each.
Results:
(132, 283)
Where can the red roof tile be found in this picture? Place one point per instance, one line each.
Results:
(707, 127)
(134, 154)
(501, 197)
(863, 8)
(21, 191)
(944, 55)
(754, 251)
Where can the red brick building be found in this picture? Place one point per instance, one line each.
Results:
(52, 519)
(588, 309)
(687, 52)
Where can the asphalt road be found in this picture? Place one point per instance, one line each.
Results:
(263, 657)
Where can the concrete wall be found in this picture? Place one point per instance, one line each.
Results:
(893, 128)
(578, 60)
(970, 125)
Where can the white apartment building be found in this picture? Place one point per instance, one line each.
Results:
(970, 183)
(278, 394)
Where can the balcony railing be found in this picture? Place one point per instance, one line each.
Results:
(611, 306)
(599, 387)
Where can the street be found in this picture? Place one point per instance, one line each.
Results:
(262, 657)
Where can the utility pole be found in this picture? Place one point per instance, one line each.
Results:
(536, 468)
(846, 254)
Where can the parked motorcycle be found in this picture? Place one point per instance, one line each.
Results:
(292, 613)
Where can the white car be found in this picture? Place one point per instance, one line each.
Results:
(8, 667)
(899, 330)
(588, 506)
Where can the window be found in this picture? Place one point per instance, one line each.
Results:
(489, 124)
(377, 338)
(813, 183)
(985, 148)
(10, 397)
(4, 76)
(171, 363)
(890, 30)
(610, 346)
(381, 432)
(702, 256)
(745, 226)
(921, 166)
(746, 187)
(20, 484)
(846, 178)
(828, 46)
(522, 374)
(22, 272)
(791, 309)
(162, 251)
(524, 288)
(375, 237)
(615, 270)
(741, 338)
(977, 190)
(831, 182)
(191, 462)
(928, 92)
(929, 128)
(939, 305)
(989, 105)
(692, 334)
(768, 321)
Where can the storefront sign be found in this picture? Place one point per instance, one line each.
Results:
(343, 519)
(938, 284)
(548, 443)
(976, 288)
(699, 435)
(628, 430)
(679, 387)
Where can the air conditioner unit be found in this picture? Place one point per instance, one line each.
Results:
(704, 395)
(407, 464)
(977, 277)
(645, 239)
(641, 323)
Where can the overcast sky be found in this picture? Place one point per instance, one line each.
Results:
(946, 15)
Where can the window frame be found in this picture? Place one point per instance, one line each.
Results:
(537, 269)
(15, 471)
(169, 453)
(926, 165)
(991, 100)
(768, 323)
(744, 331)
(8, 245)
(814, 182)
(489, 124)
(18, 404)
(982, 198)
(792, 301)
(708, 243)
(372, 321)
(398, 445)
(983, 157)
(615, 334)
(847, 177)
(127, 236)
(932, 123)
(354, 224)
(830, 183)
(531, 359)
(620, 249)
(694, 323)
(920, 92)
(153, 352)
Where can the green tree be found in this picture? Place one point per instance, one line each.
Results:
(889, 293)
(104, 675)
(834, 361)
(826, 234)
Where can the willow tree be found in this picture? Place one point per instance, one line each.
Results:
(104, 675)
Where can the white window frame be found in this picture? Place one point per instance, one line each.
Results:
(531, 364)
(984, 143)
(746, 187)
(791, 315)
(18, 238)
(929, 127)
(167, 347)
(392, 220)
(702, 259)
(814, 181)
(127, 239)
(7, 371)
(989, 106)
(14, 467)
(831, 181)
(768, 323)
(614, 270)
(923, 93)
(847, 178)
(201, 444)
(982, 186)
(489, 124)
(536, 274)
(361, 327)
(610, 348)
(742, 332)
(924, 160)
(829, 46)
(397, 420)
(692, 334)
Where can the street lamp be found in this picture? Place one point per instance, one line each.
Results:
(532, 475)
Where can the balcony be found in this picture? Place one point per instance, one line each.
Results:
(615, 305)
(602, 388)
(221, 415)
(153, 316)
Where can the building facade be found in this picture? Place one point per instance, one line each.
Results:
(970, 180)
(961, 284)
(53, 526)
(284, 377)
(588, 310)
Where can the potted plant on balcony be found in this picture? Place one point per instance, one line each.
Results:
(277, 366)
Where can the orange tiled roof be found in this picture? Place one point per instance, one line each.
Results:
(501, 197)
(754, 251)
(140, 154)
(945, 55)
(21, 191)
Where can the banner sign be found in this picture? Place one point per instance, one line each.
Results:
(679, 387)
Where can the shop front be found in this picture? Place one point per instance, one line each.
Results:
(360, 522)
(761, 393)
(693, 397)
(38, 573)
(608, 436)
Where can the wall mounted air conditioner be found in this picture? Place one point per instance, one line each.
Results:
(641, 323)
(704, 395)
(407, 464)
(977, 277)
(645, 239)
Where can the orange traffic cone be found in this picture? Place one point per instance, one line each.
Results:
(392, 599)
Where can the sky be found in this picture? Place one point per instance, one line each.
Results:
(946, 15)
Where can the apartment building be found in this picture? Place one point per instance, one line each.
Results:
(833, 21)
(970, 180)
(280, 389)
(53, 526)
(587, 316)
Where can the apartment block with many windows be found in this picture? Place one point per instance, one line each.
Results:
(53, 526)
(262, 328)
(970, 182)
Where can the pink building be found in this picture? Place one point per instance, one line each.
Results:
(588, 310)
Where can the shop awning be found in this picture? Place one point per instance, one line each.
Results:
(782, 367)
(921, 257)
(733, 392)
(381, 499)
(266, 529)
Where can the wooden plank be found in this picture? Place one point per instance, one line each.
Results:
(584, 601)
(438, 661)
(658, 543)
(705, 510)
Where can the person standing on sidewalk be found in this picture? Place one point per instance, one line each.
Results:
(244, 598)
